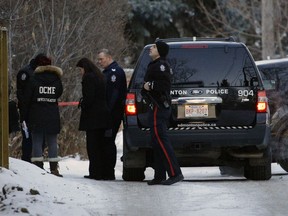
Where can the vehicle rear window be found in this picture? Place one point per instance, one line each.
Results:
(212, 67)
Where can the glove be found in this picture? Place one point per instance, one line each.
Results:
(25, 129)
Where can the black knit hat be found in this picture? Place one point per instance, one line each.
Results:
(33, 64)
(162, 48)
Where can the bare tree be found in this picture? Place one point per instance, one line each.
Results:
(262, 25)
(281, 27)
(268, 44)
(66, 31)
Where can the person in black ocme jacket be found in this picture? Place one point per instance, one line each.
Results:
(41, 111)
(156, 92)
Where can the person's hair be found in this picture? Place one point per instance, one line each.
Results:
(42, 60)
(105, 51)
(90, 67)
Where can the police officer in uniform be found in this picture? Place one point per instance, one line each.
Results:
(156, 91)
(23, 76)
(116, 90)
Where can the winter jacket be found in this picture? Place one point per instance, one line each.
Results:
(94, 110)
(116, 87)
(13, 117)
(41, 100)
(23, 77)
(159, 75)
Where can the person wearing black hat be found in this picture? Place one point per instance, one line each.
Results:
(156, 92)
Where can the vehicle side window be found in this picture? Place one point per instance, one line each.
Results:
(276, 74)
(269, 78)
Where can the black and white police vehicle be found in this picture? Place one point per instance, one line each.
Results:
(220, 115)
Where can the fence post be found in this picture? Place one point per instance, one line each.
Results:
(4, 125)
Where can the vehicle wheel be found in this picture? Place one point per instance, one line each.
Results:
(284, 164)
(279, 142)
(133, 174)
(262, 171)
(258, 172)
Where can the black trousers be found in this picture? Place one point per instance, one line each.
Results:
(111, 150)
(95, 149)
(164, 157)
(26, 147)
(101, 154)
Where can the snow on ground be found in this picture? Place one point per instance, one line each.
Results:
(28, 190)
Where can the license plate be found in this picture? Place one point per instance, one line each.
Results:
(196, 110)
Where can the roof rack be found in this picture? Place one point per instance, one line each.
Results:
(230, 38)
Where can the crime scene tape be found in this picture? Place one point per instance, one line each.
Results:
(70, 103)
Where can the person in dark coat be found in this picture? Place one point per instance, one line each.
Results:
(23, 77)
(94, 118)
(13, 113)
(13, 117)
(116, 86)
(41, 112)
(156, 91)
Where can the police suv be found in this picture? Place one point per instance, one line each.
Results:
(220, 114)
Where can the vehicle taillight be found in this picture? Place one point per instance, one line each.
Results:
(262, 103)
(130, 108)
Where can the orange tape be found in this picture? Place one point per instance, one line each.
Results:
(71, 103)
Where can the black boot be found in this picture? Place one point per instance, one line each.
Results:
(54, 169)
(39, 164)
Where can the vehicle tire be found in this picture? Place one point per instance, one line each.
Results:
(133, 174)
(258, 172)
(253, 171)
(284, 164)
(279, 140)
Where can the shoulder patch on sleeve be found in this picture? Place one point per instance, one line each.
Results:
(162, 67)
(24, 76)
